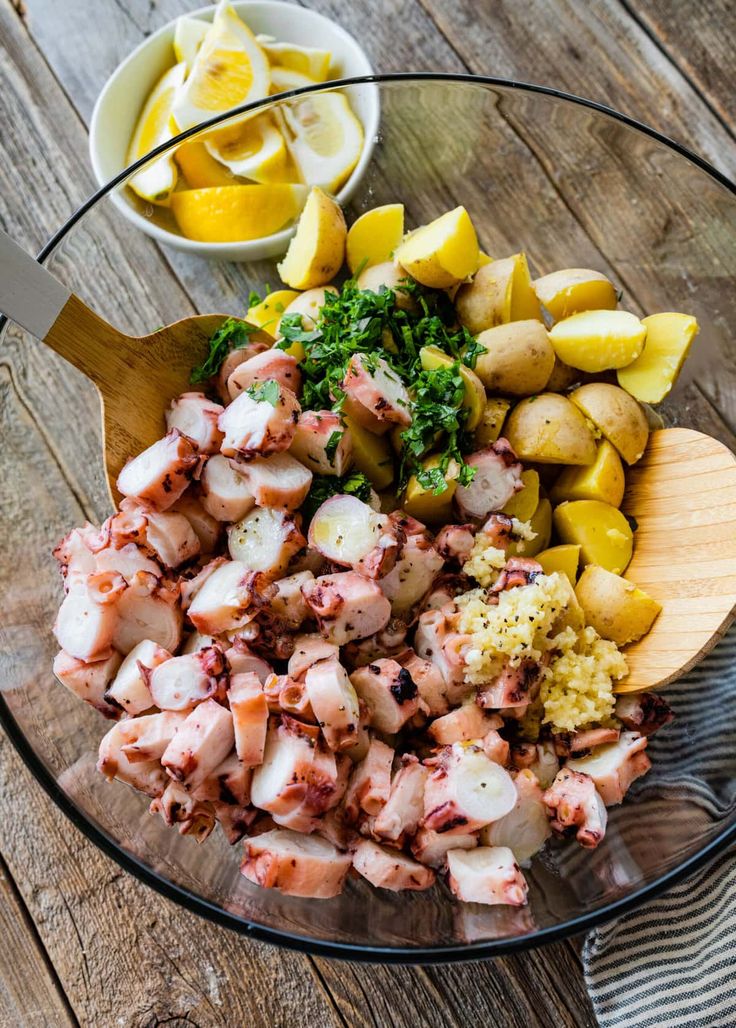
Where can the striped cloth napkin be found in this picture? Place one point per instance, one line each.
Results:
(672, 962)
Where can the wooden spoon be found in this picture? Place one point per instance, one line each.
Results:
(136, 376)
(682, 494)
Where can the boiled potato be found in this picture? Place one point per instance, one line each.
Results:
(655, 371)
(617, 415)
(267, 313)
(424, 504)
(308, 304)
(443, 253)
(563, 559)
(572, 290)
(562, 377)
(375, 235)
(390, 275)
(491, 422)
(371, 455)
(540, 524)
(433, 358)
(596, 341)
(615, 607)
(501, 291)
(549, 429)
(523, 504)
(518, 358)
(602, 532)
(602, 480)
(483, 259)
(317, 251)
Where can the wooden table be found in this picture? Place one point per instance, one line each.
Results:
(84, 943)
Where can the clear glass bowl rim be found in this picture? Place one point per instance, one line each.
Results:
(191, 901)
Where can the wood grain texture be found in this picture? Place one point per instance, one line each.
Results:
(97, 924)
(683, 497)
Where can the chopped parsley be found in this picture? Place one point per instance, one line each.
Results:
(325, 486)
(472, 352)
(254, 299)
(332, 444)
(265, 392)
(233, 334)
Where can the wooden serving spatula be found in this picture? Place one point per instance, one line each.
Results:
(682, 494)
(136, 376)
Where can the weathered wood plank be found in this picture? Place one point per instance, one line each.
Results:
(701, 40)
(29, 991)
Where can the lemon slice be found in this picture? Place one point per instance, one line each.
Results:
(284, 79)
(229, 69)
(305, 59)
(233, 214)
(325, 138)
(156, 182)
(254, 149)
(199, 168)
(188, 36)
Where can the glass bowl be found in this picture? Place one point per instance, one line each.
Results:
(572, 184)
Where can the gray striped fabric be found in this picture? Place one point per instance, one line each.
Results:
(673, 961)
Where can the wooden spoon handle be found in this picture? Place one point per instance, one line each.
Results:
(29, 294)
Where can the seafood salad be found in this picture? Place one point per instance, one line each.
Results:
(364, 604)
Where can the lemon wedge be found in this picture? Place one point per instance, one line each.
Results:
(156, 182)
(233, 214)
(305, 59)
(199, 168)
(325, 138)
(188, 36)
(267, 313)
(230, 69)
(253, 149)
(284, 79)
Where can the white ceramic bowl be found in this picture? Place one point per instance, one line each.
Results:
(122, 98)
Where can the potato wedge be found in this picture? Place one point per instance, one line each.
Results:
(423, 504)
(518, 358)
(491, 422)
(549, 429)
(617, 415)
(317, 250)
(372, 454)
(433, 358)
(442, 253)
(655, 371)
(602, 480)
(391, 275)
(572, 290)
(374, 236)
(615, 607)
(501, 291)
(541, 525)
(267, 313)
(523, 504)
(562, 377)
(602, 532)
(563, 559)
(597, 341)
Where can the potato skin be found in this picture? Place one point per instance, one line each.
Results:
(491, 422)
(317, 249)
(518, 358)
(615, 607)
(602, 480)
(390, 275)
(549, 429)
(486, 301)
(618, 416)
(562, 377)
(602, 532)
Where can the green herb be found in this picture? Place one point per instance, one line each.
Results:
(253, 299)
(233, 334)
(265, 392)
(325, 486)
(472, 352)
(436, 411)
(332, 444)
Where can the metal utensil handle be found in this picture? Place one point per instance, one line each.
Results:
(29, 294)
